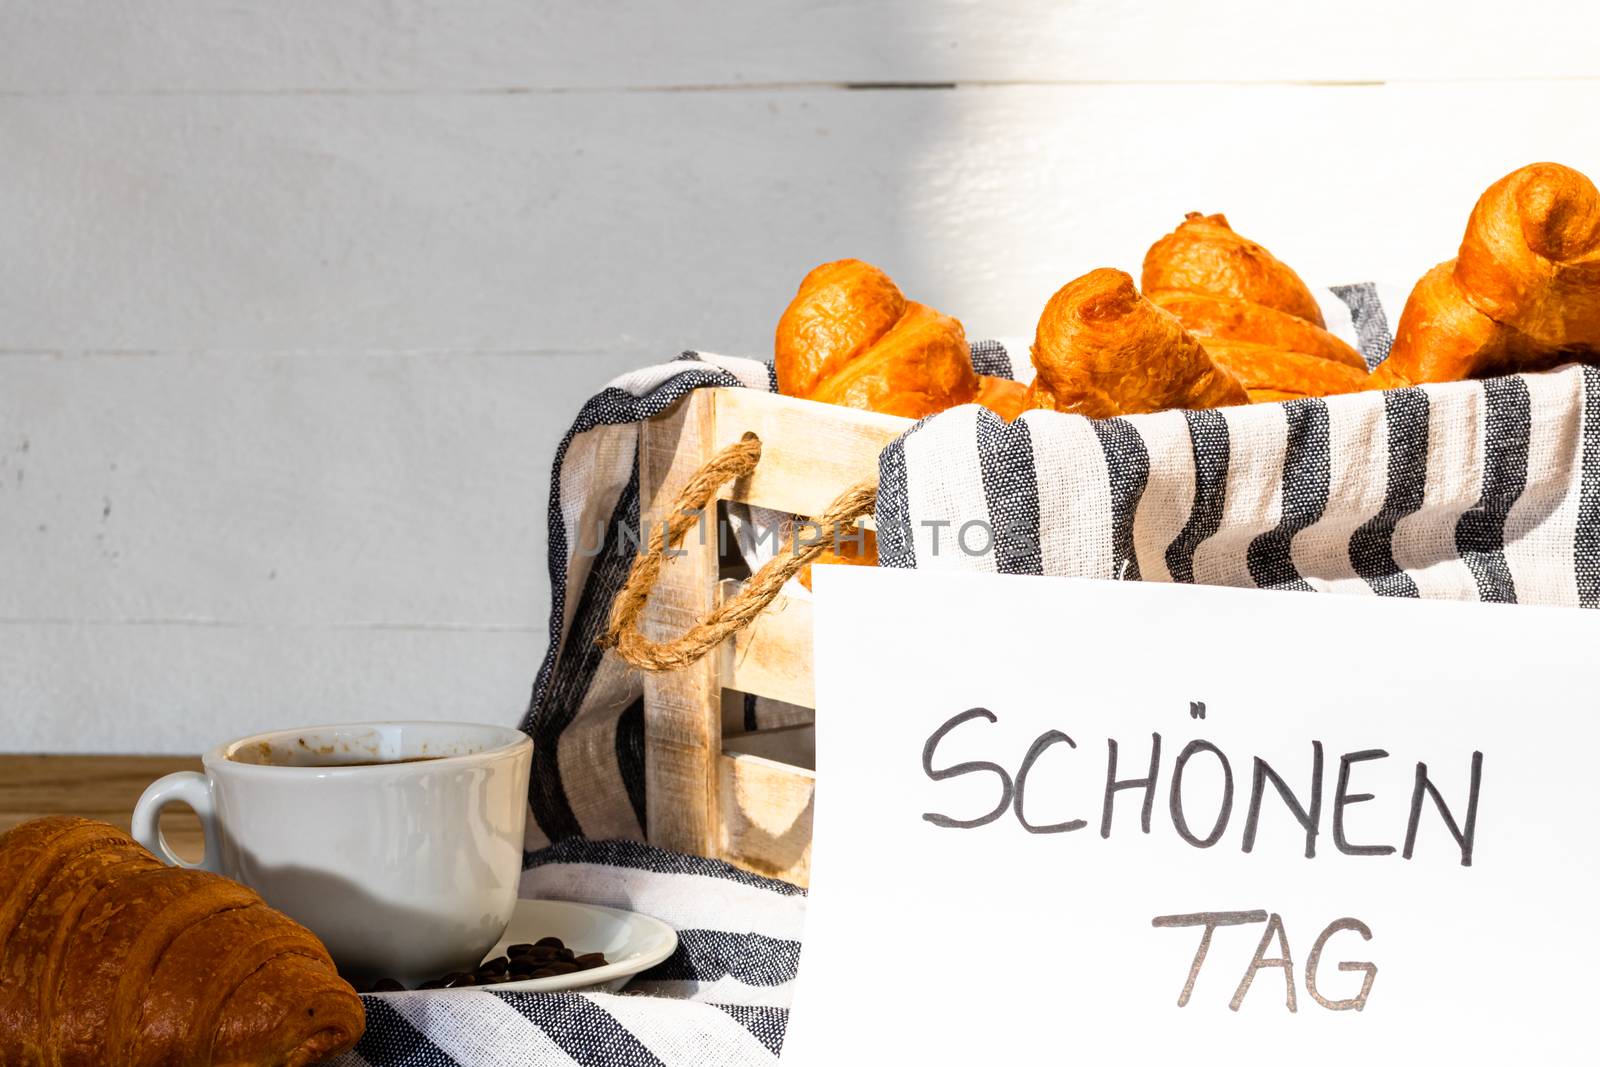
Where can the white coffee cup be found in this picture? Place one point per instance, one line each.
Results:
(406, 867)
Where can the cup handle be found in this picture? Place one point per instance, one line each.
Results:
(193, 789)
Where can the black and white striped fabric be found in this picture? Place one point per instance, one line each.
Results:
(1486, 490)
(587, 714)
(720, 1000)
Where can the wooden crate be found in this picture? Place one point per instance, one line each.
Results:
(743, 797)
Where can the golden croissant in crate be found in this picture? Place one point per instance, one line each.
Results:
(1102, 349)
(1523, 292)
(851, 337)
(107, 956)
(1251, 312)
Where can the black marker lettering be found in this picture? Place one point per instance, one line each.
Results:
(1310, 819)
(1462, 834)
(965, 768)
(1175, 802)
(1147, 784)
(1042, 742)
(1343, 796)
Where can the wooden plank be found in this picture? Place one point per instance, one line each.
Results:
(470, 222)
(683, 709)
(411, 45)
(456, 223)
(121, 687)
(766, 817)
(282, 488)
(810, 452)
(772, 656)
(96, 787)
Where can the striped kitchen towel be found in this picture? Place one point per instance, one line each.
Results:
(1483, 490)
(721, 999)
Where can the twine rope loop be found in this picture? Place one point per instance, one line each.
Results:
(737, 460)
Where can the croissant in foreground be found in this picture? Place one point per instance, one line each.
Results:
(107, 956)
(1522, 294)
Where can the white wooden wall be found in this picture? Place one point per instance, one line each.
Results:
(296, 297)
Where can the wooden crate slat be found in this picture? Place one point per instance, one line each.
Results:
(683, 726)
(810, 452)
(752, 808)
(766, 816)
(772, 657)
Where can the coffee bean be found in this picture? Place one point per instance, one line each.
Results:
(548, 957)
(387, 985)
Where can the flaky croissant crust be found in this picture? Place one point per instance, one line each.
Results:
(1102, 349)
(1269, 373)
(1204, 255)
(1530, 258)
(1250, 311)
(1208, 316)
(842, 309)
(851, 337)
(1522, 294)
(109, 957)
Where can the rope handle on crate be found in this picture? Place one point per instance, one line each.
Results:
(735, 461)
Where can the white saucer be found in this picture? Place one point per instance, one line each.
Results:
(631, 943)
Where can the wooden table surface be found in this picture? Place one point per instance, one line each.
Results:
(100, 787)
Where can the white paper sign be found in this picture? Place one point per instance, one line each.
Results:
(1399, 866)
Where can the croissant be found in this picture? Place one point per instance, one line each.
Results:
(1270, 373)
(1004, 397)
(107, 956)
(851, 337)
(1523, 292)
(1250, 311)
(1103, 350)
